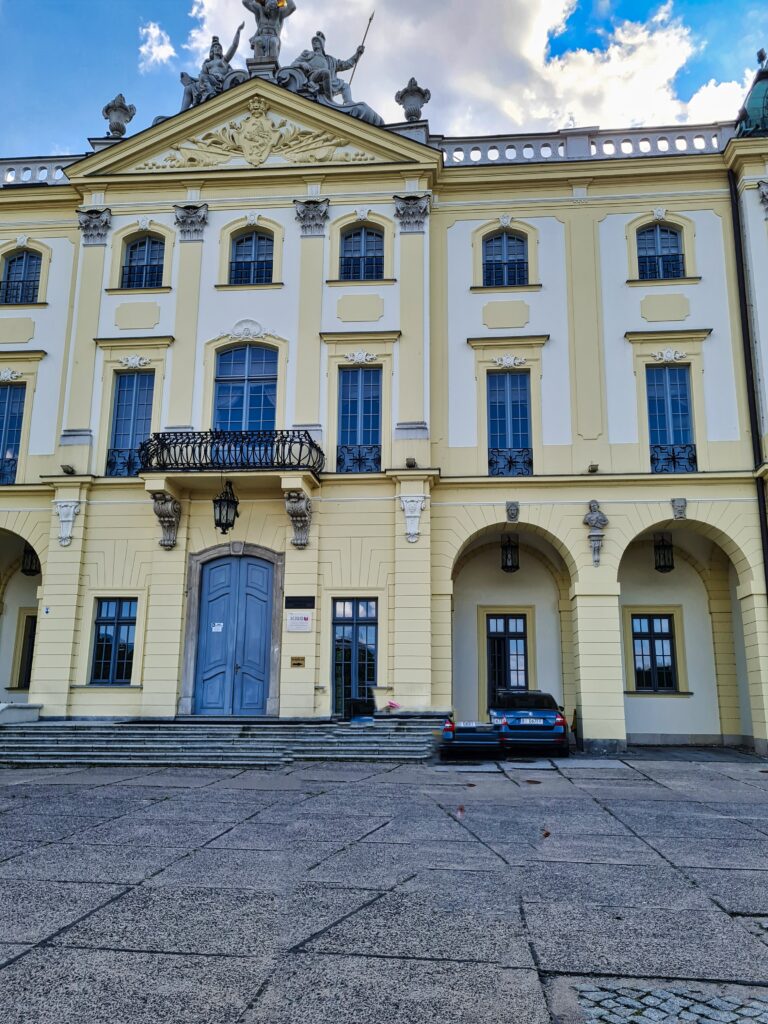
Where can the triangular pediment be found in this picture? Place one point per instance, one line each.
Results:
(254, 126)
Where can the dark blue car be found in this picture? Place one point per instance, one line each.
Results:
(520, 721)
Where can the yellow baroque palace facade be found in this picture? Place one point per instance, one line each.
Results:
(489, 410)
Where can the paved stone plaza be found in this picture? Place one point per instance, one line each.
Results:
(625, 890)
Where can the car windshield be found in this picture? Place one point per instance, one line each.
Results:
(511, 700)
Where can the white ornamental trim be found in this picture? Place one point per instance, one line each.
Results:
(505, 220)
(509, 362)
(252, 219)
(144, 223)
(247, 330)
(21, 240)
(9, 375)
(659, 213)
(669, 355)
(413, 507)
(134, 362)
(363, 212)
(361, 358)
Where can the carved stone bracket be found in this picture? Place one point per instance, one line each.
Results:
(513, 511)
(168, 511)
(413, 507)
(191, 219)
(95, 224)
(299, 508)
(680, 508)
(412, 212)
(7, 376)
(596, 521)
(312, 215)
(66, 511)
(762, 191)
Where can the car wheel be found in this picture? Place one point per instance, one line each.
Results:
(563, 752)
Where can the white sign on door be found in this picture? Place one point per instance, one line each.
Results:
(299, 622)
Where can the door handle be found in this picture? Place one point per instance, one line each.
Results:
(238, 667)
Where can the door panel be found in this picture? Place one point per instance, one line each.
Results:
(234, 638)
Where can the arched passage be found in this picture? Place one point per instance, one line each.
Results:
(20, 577)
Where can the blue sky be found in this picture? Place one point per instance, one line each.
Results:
(523, 65)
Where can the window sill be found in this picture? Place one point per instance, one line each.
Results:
(655, 693)
(248, 287)
(23, 305)
(383, 282)
(665, 282)
(105, 686)
(506, 288)
(139, 291)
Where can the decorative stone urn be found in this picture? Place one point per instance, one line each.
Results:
(412, 98)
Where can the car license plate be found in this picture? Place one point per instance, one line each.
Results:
(466, 725)
(535, 721)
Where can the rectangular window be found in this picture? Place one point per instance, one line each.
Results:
(355, 652)
(11, 419)
(131, 421)
(670, 419)
(509, 424)
(246, 389)
(507, 641)
(653, 642)
(359, 446)
(114, 641)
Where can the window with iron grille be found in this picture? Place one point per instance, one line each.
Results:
(653, 642)
(509, 424)
(660, 253)
(362, 255)
(20, 283)
(246, 388)
(143, 267)
(252, 259)
(11, 420)
(131, 421)
(114, 641)
(670, 420)
(355, 650)
(359, 445)
(505, 260)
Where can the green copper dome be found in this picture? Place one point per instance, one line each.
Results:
(753, 118)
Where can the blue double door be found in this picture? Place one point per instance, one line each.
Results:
(234, 637)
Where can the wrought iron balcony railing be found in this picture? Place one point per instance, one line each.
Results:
(250, 272)
(147, 276)
(8, 468)
(661, 268)
(674, 458)
(510, 461)
(231, 450)
(358, 458)
(19, 293)
(123, 462)
(501, 274)
(361, 268)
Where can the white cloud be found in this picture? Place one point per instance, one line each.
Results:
(156, 47)
(489, 64)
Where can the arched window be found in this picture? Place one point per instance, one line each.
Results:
(660, 253)
(505, 260)
(252, 259)
(246, 388)
(143, 266)
(21, 278)
(362, 255)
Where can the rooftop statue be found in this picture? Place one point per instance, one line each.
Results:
(315, 75)
(270, 16)
(216, 75)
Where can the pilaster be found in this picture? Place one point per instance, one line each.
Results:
(754, 616)
(299, 673)
(411, 431)
(184, 358)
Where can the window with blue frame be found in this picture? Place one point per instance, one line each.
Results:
(660, 253)
(114, 641)
(143, 266)
(20, 284)
(131, 421)
(246, 389)
(11, 420)
(355, 650)
(505, 260)
(509, 424)
(252, 259)
(359, 444)
(362, 255)
(670, 419)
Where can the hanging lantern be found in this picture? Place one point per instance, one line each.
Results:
(30, 563)
(225, 509)
(510, 552)
(663, 552)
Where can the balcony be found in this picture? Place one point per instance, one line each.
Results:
(510, 461)
(8, 468)
(358, 458)
(123, 462)
(231, 451)
(674, 458)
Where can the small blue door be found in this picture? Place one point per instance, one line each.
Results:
(234, 638)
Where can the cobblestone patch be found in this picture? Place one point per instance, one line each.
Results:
(667, 1006)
